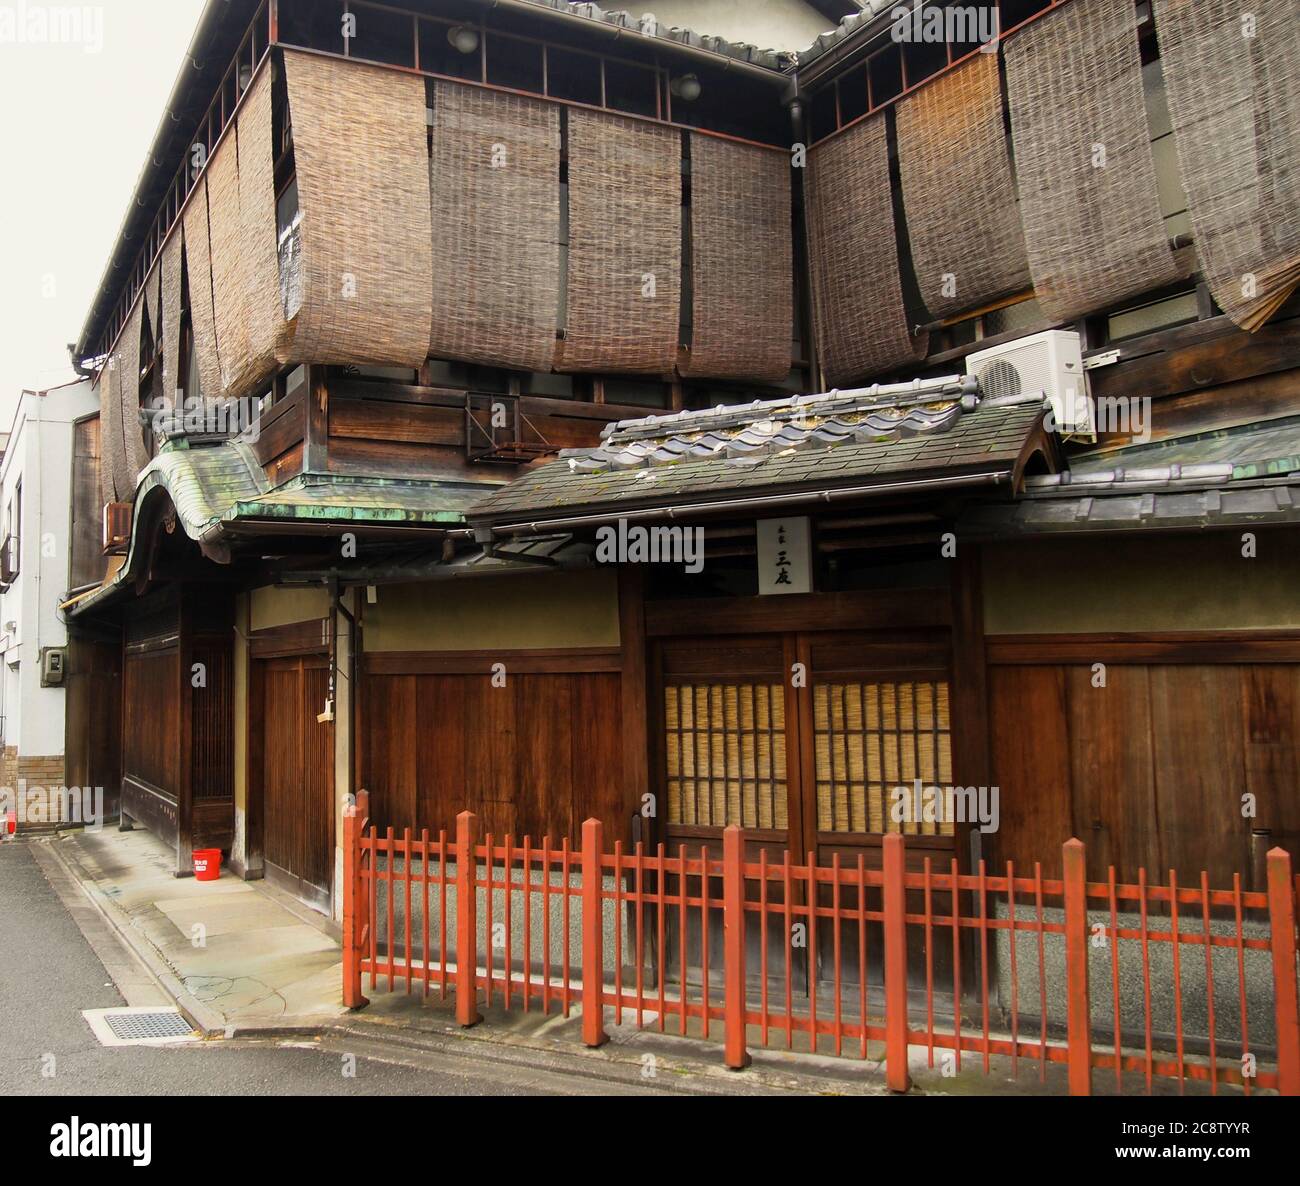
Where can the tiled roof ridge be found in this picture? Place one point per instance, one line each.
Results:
(826, 403)
(867, 12)
(649, 25)
(744, 434)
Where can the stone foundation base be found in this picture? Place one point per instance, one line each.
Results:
(40, 780)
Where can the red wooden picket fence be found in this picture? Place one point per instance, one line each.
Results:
(900, 957)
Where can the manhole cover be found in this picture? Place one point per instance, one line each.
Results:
(127, 1027)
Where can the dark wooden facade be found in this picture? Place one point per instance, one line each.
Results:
(1151, 769)
(534, 752)
(178, 720)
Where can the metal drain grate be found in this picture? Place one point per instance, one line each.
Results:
(162, 1023)
(121, 1027)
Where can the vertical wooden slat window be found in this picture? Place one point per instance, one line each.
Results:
(212, 748)
(725, 755)
(859, 315)
(625, 246)
(871, 738)
(741, 245)
(495, 184)
(1233, 90)
(361, 157)
(1089, 200)
(959, 192)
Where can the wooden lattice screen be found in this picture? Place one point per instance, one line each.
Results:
(871, 738)
(726, 754)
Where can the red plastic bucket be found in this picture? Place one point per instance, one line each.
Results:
(207, 864)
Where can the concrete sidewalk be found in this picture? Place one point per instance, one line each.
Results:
(237, 956)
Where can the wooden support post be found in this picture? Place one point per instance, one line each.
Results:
(1282, 939)
(593, 936)
(733, 947)
(355, 911)
(467, 1013)
(1078, 1014)
(894, 901)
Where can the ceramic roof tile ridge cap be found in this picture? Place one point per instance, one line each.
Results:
(649, 25)
(917, 391)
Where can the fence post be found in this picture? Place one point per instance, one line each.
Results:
(355, 817)
(894, 904)
(593, 935)
(1282, 939)
(1078, 1013)
(733, 948)
(467, 1013)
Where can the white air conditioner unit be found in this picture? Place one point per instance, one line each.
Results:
(1050, 362)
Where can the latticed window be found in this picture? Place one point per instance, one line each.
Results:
(871, 738)
(726, 754)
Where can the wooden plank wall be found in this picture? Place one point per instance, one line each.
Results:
(281, 435)
(93, 742)
(402, 430)
(1150, 770)
(537, 756)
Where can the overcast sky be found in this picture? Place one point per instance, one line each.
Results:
(76, 121)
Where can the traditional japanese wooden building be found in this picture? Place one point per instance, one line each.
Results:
(517, 289)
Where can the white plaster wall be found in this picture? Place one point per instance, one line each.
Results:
(768, 24)
(39, 455)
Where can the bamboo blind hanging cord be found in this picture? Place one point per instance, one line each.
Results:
(625, 246)
(968, 248)
(1088, 196)
(1232, 80)
(741, 265)
(495, 186)
(857, 291)
(361, 154)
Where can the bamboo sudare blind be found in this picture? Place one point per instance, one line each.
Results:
(135, 455)
(859, 315)
(968, 248)
(495, 184)
(1233, 88)
(741, 267)
(172, 262)
(229, 292)
(265, 330)
(198, 265)
(361, 153)
(112, 448)
(251, 329)
(153, 304)
(1088, 197)
(871, 738)
(625, 246)
(725, 755)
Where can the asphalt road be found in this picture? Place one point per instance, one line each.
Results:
(49, 974)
